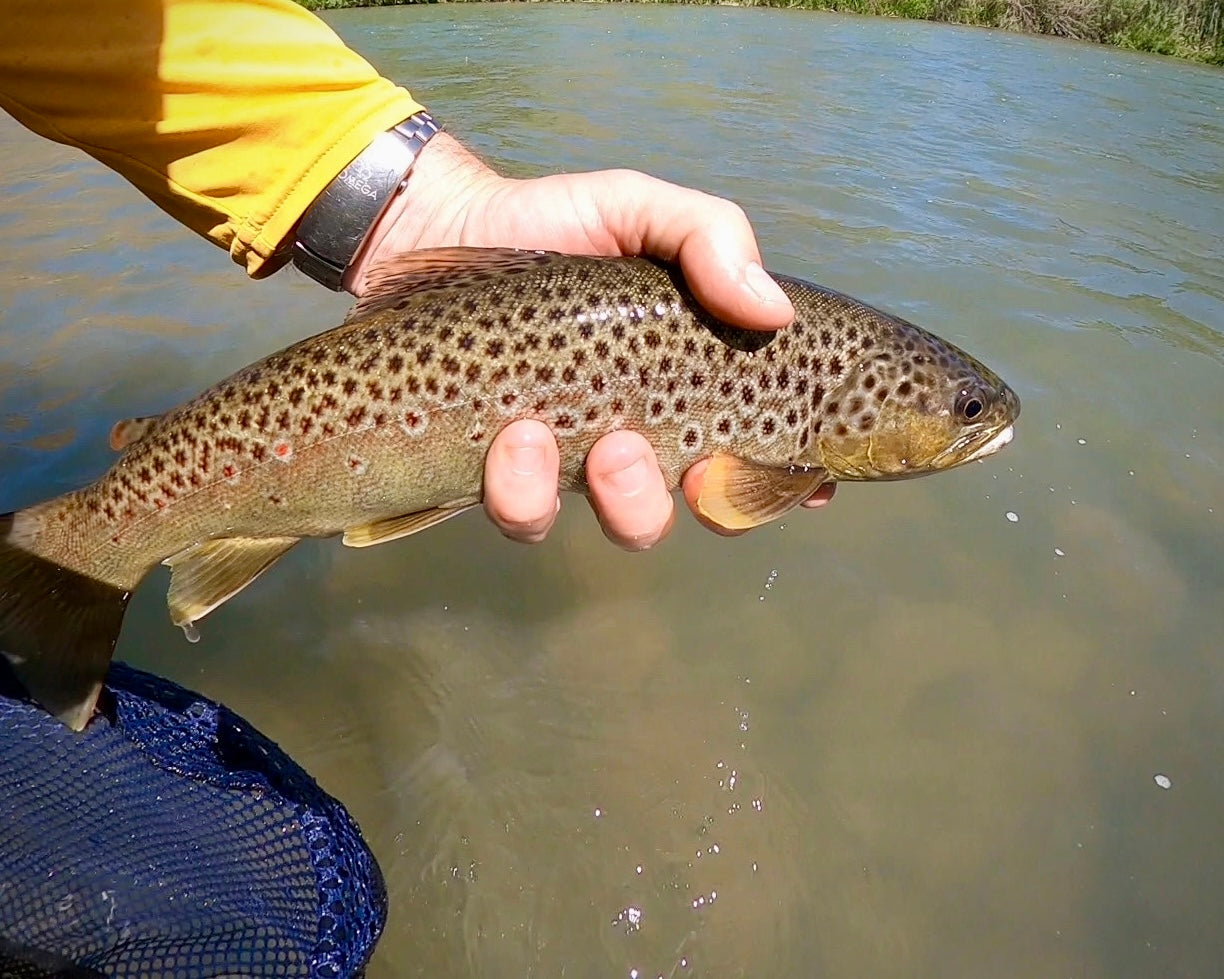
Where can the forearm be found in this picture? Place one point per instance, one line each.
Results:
(231, 116)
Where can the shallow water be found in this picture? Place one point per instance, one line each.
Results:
(916, 734)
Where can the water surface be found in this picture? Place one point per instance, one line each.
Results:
(914, 735)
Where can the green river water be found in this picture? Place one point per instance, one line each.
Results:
(916, 734)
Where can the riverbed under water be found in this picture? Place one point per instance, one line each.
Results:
(917, 734)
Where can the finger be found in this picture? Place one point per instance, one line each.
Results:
(520, 481)
(628, 491)
(692, 481)
(821, 497)
(710, 237)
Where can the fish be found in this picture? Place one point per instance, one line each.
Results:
(378, 429)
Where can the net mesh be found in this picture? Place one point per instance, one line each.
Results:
(172, 839)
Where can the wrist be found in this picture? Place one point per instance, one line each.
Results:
(430, 210)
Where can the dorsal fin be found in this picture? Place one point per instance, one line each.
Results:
(435, 268)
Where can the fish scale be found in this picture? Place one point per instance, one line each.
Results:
(380, 427)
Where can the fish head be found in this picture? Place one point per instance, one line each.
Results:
(913, 404)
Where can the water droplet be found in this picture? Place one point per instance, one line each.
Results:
(191, 632)
(1012, 516)
(1163, 781)
(1082, 441)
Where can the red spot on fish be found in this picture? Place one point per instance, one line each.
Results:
(229, 471)
(160, 503)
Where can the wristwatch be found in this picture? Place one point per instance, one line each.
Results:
(336, 224)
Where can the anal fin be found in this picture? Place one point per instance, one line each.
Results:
(740, 495)
(392, 528)
(207, 574)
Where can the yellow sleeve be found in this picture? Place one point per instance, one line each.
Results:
(231, 115)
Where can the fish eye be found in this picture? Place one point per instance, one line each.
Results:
(969, 406)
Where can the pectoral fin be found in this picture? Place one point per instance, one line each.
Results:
(381, 531)
(205, 575)
(739, 495)
(128, 430)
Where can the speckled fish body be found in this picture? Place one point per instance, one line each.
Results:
(380, 427)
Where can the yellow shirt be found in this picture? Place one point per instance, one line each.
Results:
(231, 115)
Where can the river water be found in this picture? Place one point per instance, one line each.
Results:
(917, 734)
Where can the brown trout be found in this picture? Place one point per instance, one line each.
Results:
(379, 428)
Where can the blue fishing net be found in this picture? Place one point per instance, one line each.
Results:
(172, 839)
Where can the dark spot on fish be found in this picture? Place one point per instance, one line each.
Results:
(445, 332)
(841, 429)
(586, 329)
(856, 405)
(601, 349)
(768, 425)
(835, 366)
(452, 392)
(431, 385)
(564, 421)
(869, 382)
(508, 398)
(544, 374)
(920, 377)
(395, 363)
(621, 364)
(592, 414)
(652, 339)
(414, 384)
(340, 357)
(425, 354)
(697, 379)
(904, 389)
(522, 368)
(724, 426)
(569, 375)
(273, 389)
(578, 357)
(531, 341)
(329, 429)
(618, 406)
(356, 416)
(726, 387)
(826, 338)
(680, 406)
(450, 365)
(803, 438)
(472, 374)
(618, 331)
(792, 418)
(282, 421)
(666, 365)
(644, 377)
(690, 438)
(748, 395)
(557, 341)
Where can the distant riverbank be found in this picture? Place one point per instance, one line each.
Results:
(1182, 28)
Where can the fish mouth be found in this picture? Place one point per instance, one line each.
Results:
(994, 445)
(949, 456)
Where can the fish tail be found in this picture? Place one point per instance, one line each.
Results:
(58, 628)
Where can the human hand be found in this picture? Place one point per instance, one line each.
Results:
(454, 199)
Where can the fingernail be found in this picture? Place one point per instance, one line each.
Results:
(631, 480)
(526, 460)
(763, 285)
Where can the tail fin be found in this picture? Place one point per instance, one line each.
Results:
(58, 629)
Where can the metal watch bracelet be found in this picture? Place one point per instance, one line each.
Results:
(336, 224)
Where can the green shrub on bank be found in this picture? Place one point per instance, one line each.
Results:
(1184, 28)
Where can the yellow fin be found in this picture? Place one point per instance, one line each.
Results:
(205, 575)
(128, 430)
(381, 531)
(432, 268)
(739, 495)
